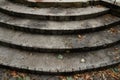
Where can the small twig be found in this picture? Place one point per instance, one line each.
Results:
(115, 2)
(92, 3)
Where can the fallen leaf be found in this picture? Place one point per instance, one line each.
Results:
(60, 56)
(69, 78)
(14, 74)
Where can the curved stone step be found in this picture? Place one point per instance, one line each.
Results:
(57, 14)
(58, 27)
(52, 64)
(60, 43)
(54, 3)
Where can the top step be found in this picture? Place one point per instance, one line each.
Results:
(54, 14)
(54, 3)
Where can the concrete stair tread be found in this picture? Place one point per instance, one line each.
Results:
(93, 43)
(51, 13)
(59, 43)
(58, 27)
(51, 63)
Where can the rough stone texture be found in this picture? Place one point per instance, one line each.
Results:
(58, 27)
(51, 13)
(51, 63)
(52, 43)
(17, 48)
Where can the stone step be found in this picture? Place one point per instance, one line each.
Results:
(58, 27)
(55, 3)
(58, 63)
(60, 43)
(57, 14)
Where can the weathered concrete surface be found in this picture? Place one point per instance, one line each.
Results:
(52, 13)
(58, 27)
(15, 46)
(51, 63)
(52, 43)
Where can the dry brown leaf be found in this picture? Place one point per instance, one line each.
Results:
(14, 74)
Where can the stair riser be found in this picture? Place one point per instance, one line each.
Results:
(54, 18)
(115, 12)
(55, 4)
(102, 60)
(65, 73)
(46, 50)
(109, 5)
(58, 32)
(115, 9)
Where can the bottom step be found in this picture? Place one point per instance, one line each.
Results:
(56, 63)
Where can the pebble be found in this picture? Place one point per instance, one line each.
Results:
(83, 60)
